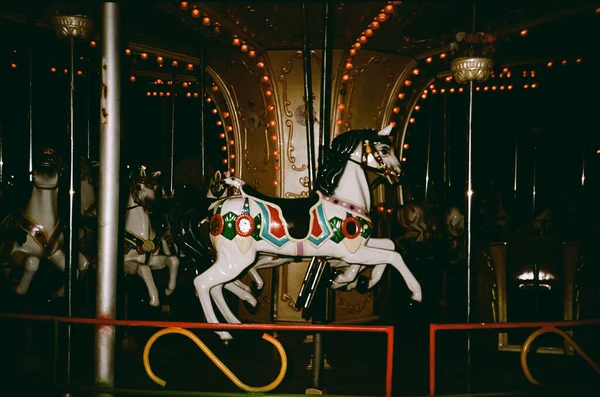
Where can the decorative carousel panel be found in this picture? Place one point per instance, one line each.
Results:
(352, 307)
(369, 90)
(289, 281)
(291, 105)
(534, 281)
(249, 92)
(262, 312)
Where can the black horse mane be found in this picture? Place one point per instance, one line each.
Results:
(336, 158)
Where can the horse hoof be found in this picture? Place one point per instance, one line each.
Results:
(256, 289)
(331, 281)
(225, 336)
(251, 307)
(154, 303)
(169, 291)
(417, 297)
(362, 286)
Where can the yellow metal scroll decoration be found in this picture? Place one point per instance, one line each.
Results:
(566, 337)
(214, 359)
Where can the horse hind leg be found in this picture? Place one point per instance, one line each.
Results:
(173, 265)
(221, 272)
(219, 299)
(145, 273)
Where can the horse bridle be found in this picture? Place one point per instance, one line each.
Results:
(383, 169)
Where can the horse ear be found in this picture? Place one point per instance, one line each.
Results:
(218, 175)
(143, 171)
(386, 131)
(155, 174)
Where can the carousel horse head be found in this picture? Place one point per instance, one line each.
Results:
(90, 171)
(216, 188)
(142, 189)
(371, 149)
(47, 169)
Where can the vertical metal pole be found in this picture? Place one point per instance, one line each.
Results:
(308, 93)
(326, 75)
(108, 205)
(172, 145)
(73, 197)
(428, 165)
(31, 39)
(88, 105)
(446, 176)
(582, 154)
(516, 149)
(534, 188)
(468, 227)
(201, 89)
(1, 147)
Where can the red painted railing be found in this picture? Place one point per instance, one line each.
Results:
(388, 330)
(433, 328)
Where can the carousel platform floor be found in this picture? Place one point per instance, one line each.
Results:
(357, 363)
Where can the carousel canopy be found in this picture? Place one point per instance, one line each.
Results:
(526, 31)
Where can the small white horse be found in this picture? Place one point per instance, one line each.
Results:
(332, 223)
(88, 208)
(142, 244)
(39, 235)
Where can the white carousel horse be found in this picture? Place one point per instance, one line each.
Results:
(348, 279)
(142, 244)
(332, 223)
(39, 234)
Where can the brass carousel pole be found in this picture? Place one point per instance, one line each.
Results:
(108, 205)
(72, 27)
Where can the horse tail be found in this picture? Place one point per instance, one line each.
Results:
(190, 230)
(7, 236)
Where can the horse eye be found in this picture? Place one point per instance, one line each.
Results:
(385, 151)
(138, 187)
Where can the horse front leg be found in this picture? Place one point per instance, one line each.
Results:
(31, 264)
(133, 266)
(58, 259)
(242, 291)
(374, 256)
(172, 262)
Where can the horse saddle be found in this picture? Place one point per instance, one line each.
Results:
(295, 211)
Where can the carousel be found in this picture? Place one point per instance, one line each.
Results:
(290, 198)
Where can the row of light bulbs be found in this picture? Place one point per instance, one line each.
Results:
(264, 78)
